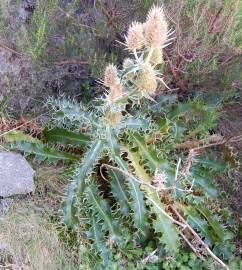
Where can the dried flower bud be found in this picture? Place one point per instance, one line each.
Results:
(135, 39)
(115, 118)
(115, 92)
(156, 57)
(146, 79)
(156, 28)
(111, 76)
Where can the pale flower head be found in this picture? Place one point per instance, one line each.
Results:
(146, 79)
(115, 92)
(156, 27)
(115, 118)
(135, 39)
(111, 76)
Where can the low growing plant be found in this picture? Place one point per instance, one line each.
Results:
(143, 175)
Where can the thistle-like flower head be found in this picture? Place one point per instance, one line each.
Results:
(111, 78)
(115, 118)
(115, 92)
(135, 39)
(146, 79)
(156, 28)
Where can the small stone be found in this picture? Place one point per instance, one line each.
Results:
(16, 175)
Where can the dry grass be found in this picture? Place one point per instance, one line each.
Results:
(31, 242)
(208, 37)
(31, 234)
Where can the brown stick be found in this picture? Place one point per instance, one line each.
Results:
(71, 62)
(10, 50)
(194, 145)
(191, 246)
(199, 239)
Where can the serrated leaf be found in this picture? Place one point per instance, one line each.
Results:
(140, 214)
(64, 136)
(204, 179)
(198, 223)
(69, 207)
(162, 224)
(119, 190)
(89, 162)
(213, 163)
(42, 152)
(77, 187)
(17, 135)
(149, 154)
(212, 221)
(101, 209)
(134, 124)
(134, 158)
(97, 236)
(72, 114)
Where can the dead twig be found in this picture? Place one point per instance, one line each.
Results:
(199, 239)
(191, 246)
(10, 50)
(71, 62)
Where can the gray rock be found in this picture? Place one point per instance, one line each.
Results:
(5, 204)
(16, 175)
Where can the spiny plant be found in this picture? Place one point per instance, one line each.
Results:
(141, 172)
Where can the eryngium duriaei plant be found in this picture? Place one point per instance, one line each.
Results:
(131, 184)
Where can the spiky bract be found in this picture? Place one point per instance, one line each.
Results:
(111, 76)
(147, 80)
(156, 56)
(156, 28)
(135, 39)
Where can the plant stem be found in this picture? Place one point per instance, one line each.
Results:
(149, 55)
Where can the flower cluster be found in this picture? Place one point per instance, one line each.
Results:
(145, 41)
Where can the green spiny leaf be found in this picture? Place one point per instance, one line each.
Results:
(42, 152)
(119, 190)
(17, 135)
(198, 223)
(77, 187)
(88, 163)
(162, 224)
(101, 209)
(64, 136)
(138, 203)
(97, 236)
(69, 207)
(154, 162)
(212, 221)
